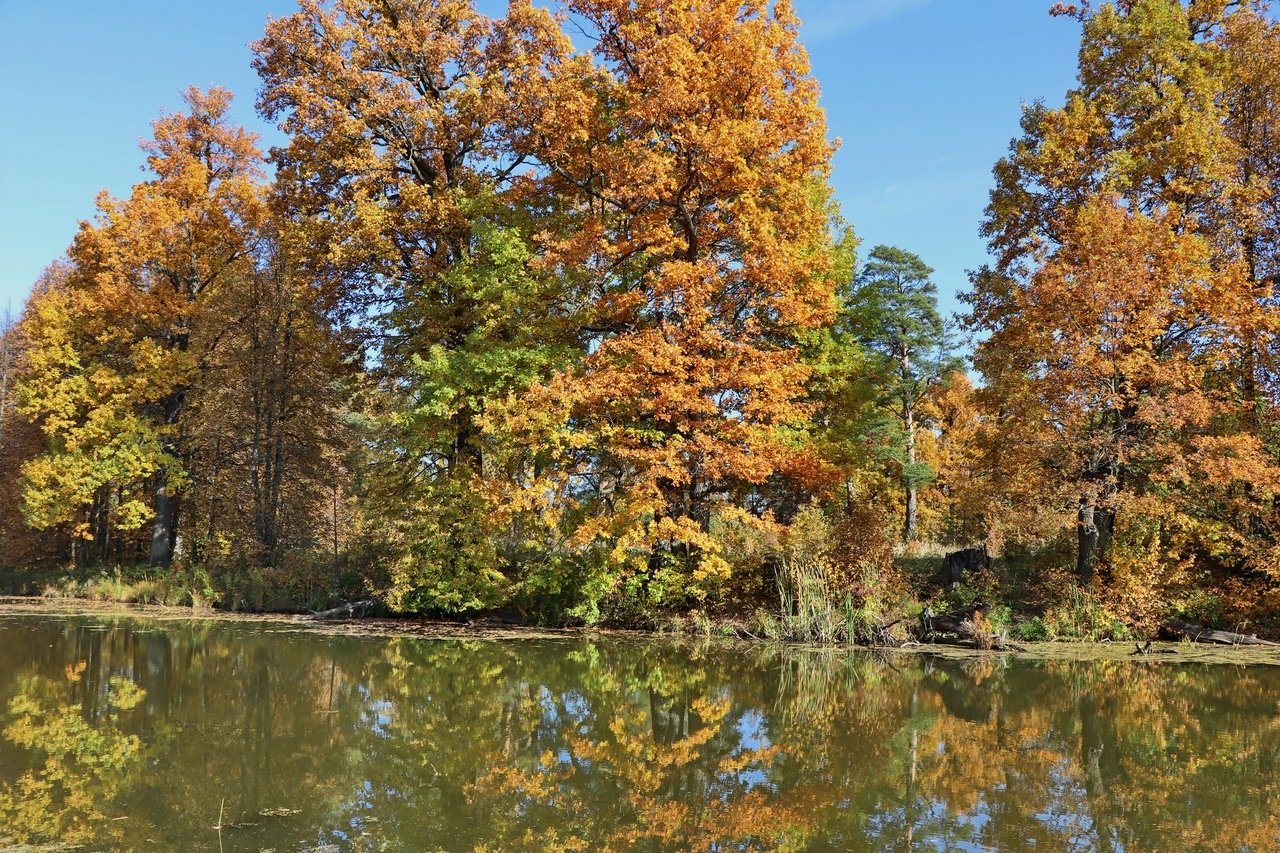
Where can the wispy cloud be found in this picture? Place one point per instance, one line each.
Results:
(827, 18)
(930, 191)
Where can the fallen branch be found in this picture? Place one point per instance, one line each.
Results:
(345, 610)
(1180, 630)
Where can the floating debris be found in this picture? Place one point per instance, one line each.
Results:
(281, 812)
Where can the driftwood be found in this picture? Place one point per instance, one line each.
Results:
(959, 628)
(1197, 634)
(345, 610)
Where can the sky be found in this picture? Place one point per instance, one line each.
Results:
(924, 96)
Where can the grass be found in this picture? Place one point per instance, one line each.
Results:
(121, 586)
(811, 611)
(294, 589)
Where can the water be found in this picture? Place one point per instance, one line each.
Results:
(135, 735)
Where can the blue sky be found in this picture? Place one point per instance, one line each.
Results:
(924, 95)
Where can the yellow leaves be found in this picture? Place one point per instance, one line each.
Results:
(712, 567)
(85, 766)
(115, 343)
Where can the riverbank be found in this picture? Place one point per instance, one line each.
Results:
(414, 627)
(1004, 605)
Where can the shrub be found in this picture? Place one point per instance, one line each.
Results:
(1033, 630)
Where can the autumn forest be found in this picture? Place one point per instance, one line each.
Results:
(554, 316)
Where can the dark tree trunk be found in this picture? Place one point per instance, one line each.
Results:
(1094, 525)
(958, 565)
(164, 529)
(1087, 541)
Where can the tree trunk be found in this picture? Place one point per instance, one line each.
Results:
(909, 526)
(164, 531)
(909, 424)
(1094, 526)
(164, 528)
(1087, 540)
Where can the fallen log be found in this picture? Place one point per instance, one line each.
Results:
(1180, 630)
(345, 610)
(991, 643)
(961, 628)
(956, 622)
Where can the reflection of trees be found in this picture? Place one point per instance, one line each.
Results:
(410, 744)
(650, 766)
(568, 746)
(76, 765)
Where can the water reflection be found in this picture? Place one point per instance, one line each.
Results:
(230, 737)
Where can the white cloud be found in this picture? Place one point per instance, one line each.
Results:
(827, 18)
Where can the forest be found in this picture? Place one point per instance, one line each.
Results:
(554, 317)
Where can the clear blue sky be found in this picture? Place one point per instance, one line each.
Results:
(924, 94)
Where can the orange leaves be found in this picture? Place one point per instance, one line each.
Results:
(1131, 332)
(696, 159)
(667, 188)
(119, 341)
(1119, 336)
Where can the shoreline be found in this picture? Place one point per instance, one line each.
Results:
(1083, 651)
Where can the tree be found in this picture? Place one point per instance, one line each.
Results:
(1152, 139)
(8, 364)
(895, 315)
(115, 352)
(695, 165)
(580, 277)
(264, 426)
(1109, 365)
(962, 485)
(19, 442)
(416, 213)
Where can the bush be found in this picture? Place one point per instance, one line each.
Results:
(835, 580)
(1201, 607)
(1033, 630)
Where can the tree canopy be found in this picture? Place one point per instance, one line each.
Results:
(555, 313)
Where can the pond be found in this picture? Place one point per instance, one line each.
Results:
(123, 733)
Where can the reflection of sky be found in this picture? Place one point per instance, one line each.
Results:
(751, 728)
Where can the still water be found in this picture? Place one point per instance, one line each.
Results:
(127, 734)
